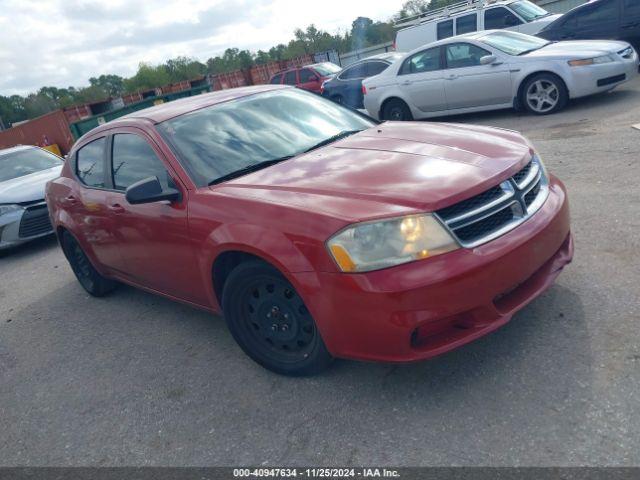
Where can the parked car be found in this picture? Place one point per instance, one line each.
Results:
(600, 19)
(309, 77)
(466, 17)
(24, 171)
(318, 232)
(497, 69)
(346, 87)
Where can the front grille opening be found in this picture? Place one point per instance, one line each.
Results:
(471, 203)
(35, 221)
(522, 174)
(486, 226)
(532, 194)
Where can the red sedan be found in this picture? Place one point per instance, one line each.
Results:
(309, 77)
(318, 232)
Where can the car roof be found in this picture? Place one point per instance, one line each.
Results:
(6, 151)
(165, 111)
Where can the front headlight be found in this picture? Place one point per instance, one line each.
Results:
(379, 244)
(591, 61)
(4, 209)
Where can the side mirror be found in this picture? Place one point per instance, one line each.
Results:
(149, 190)
(488, 60)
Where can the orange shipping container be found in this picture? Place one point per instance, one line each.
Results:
(49, 129)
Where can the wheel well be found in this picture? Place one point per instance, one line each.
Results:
(387, 101)
(59, 233)
(224, 265)
(526, 79)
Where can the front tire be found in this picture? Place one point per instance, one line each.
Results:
(94, 283)
(396, 110)
(270, 321)
(544, 94)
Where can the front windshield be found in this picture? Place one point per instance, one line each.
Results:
(529, 11)
(326, 68)
(221, 139)
(25, 162)
(513, 43)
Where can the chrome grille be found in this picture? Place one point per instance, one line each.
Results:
(35, 221)
(494, 212)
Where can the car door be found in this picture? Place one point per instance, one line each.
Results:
(309, 80)
(87, 204)
(349, 83)
(630, 24)
(599, 20)
(154, 237)
(468, 83)
(420, 79)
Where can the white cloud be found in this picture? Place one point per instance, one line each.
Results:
(64, 42)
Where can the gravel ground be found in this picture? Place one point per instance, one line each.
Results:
(134, 379)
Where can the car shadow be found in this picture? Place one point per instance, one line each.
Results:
(33, 247)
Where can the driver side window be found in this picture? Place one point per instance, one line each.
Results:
(500, 17)
(460, 55)
(133, 160)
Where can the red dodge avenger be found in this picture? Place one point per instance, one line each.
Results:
(318, 232)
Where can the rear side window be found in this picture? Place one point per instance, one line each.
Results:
(307, 75)
(425, 61)
(500, 17)
(290, 78)
(631, 8)
(357, 71)
(374, 68)
(592, 15)
(445, 29)
(277, 79)
(466, 24)
(90, 163)
(133, 160)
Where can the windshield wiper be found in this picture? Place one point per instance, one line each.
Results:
(534, 49)
(334, 138)
(249, 169)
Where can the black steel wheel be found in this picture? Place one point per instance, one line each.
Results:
(396, 110)
(94, 283)
(270, 321)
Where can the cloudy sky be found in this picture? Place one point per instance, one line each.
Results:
(64, 42)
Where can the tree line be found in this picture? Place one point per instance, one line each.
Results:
(364, 32)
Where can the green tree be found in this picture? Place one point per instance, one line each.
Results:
(147, 77)
(112, 84)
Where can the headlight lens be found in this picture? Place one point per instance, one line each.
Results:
(374, 245)
(4, 209)
(591, 61)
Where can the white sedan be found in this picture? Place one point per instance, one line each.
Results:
(496, 69)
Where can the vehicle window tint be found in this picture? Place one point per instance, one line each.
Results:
(90, 163)
(631, 8)
(357, 71)
(466, 24)
(277, 79)
(500, 17)
(290, 78)
(135, 160)
(426, 61)
(603, 11)
(374, 68)
(307, 75)
(461, 55)
(445, 29)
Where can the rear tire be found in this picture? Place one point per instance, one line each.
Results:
(544, 94)
(396, 110)
(94, 283)
(270, 321)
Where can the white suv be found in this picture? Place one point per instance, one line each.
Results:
(471, 16)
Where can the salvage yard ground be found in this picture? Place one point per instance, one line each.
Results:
(134, 379)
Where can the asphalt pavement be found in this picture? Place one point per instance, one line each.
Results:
(135, 379)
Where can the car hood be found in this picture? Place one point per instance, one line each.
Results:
(404, 165)
(28, 188)
(577, 49)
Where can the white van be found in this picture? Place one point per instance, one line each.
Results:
(470, 16)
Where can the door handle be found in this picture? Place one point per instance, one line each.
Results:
(117, 208)
(452, 77)
(70, 200)
(407, 82)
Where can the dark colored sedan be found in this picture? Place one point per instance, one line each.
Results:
(600, 19)
(346, 88)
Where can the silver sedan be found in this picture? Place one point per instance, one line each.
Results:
(496, 69)
(24, 172)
